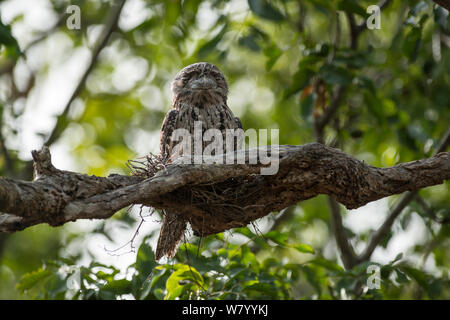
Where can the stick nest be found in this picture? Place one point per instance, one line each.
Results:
(209, 208)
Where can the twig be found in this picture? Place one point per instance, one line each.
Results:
(329, 112)
(348, 255)
(354, 33)
(100, 44)
(379, 235)
(349, 258)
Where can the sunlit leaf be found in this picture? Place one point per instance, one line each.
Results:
(29, 280)
(411, 43)
(303, 248)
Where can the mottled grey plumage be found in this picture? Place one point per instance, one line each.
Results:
(199, 94)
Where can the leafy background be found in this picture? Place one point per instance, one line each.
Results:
(285, 61)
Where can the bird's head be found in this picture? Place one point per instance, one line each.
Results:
(200, 78)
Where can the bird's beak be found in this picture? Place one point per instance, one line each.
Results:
(203, 83)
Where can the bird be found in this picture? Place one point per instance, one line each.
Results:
(200, 93)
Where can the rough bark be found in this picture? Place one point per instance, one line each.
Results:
(443, 3)
(213, 197)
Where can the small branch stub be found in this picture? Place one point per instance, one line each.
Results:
(42, 162)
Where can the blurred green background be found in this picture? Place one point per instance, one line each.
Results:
(98, 104)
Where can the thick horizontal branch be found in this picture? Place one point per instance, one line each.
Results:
(219, 196)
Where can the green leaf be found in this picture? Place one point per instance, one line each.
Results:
(264, 288)
(117, 287)
(269, 263)
(7, 39)
(299, 81)
(249, 42)
(406, 139)
(265, 10)
(411, 43)
(31, 279)
(431, 285)
(375, 106)
(327, 264)
(366, 83)
(312, 278)
(185, 278)
(397, 258)
(277, 237)
(320, 50)
(281, 239)
(333, 74)
(145, 259)
(352, 59)
(307, 106)
(309, 62)
(416, 274)
(209, 46)
(346, 283)
(273, 53)
(248, 257)
(401, 277)
(303, 248)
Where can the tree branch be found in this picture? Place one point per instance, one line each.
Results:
(443, 3)
(381, 233)
(348, 255)
(329, 112)
(57, 196)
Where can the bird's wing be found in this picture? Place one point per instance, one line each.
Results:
(168, 126)
(172, 231)
(238, 122)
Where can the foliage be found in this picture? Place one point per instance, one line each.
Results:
(285, 61)
(220, 271)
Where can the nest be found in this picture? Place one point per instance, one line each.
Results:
(147, 166)
(209, 208)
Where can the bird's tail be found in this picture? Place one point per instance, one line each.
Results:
(172, 230)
